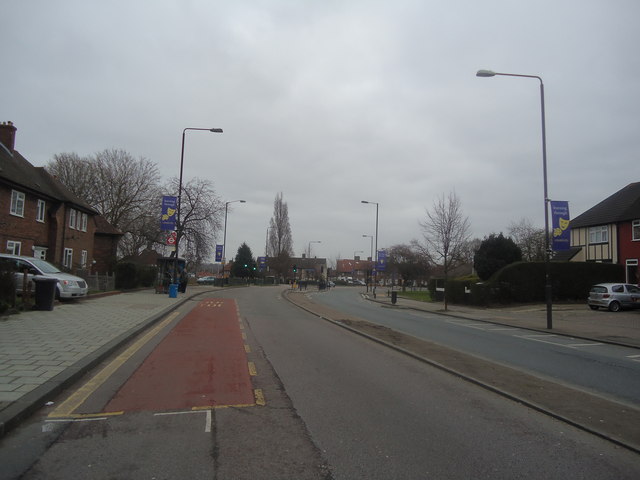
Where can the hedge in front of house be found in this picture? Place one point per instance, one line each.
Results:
(524, 282)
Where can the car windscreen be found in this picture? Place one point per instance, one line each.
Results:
(44, 267)
(598, 289)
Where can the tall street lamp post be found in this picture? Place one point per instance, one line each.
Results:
(371, 258)
(224, 238)
(548, 286)
(306, 271)
(375, 265)
(178, 220)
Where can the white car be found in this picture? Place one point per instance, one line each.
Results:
(614, 296)
(68, 286)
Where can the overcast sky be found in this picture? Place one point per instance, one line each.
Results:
(333, 102)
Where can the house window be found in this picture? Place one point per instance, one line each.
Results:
(598, 234)
(42, 205)
(17, 203)
(72, 218)
(635, 229)
(83, 222)
(40, 252)
(83, 259)
(67, 258)
(14, 247)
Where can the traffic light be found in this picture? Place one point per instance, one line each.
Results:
(295, 268)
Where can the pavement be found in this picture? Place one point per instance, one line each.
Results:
(43, 352)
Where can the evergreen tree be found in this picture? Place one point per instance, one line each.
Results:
(495, 252)
(244, 266)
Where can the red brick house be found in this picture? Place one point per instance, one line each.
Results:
(40, 217)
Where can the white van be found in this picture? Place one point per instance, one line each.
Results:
(69, 286)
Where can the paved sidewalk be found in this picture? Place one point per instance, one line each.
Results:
(576, 320)
(42, 352)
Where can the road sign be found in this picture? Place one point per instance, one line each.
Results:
(171, 239)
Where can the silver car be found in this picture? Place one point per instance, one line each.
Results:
(614, 296)
(68, 286)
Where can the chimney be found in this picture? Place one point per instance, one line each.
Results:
(8, 135)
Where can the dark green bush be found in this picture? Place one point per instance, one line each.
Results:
(125, 276)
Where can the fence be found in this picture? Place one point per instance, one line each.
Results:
(98, 282)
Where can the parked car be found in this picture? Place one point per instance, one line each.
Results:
(206, 280)
(68, 286)
(614, 296)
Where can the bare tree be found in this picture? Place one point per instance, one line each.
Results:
(446, 233)
(408, 262)
(201, 217)
(280, 244)
(123, 189)
(529, 238)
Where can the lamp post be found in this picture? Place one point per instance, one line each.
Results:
(266, 243)
(371, 257)
(178, 224)
(375, 265)
(312, 241)
(548, 287)
(224, 239)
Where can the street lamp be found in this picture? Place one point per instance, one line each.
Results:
(548, 286)
(312, 241)
(375, 265)
(178, 224)
(224, 240)
(371, 237)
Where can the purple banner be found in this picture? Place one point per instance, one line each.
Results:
(560, 220)
(168, 216)
(218, 253)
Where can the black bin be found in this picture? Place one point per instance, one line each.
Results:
(45, 292)
(394, 297)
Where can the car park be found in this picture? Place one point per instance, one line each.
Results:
(206, 280)
(614, 296)
(68, 286)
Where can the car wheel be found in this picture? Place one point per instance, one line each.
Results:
(593, 307)
(614, 306)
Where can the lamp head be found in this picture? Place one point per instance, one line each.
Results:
(215, 130)
(485, 73)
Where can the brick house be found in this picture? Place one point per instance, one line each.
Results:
(609, 232)
(41, 217)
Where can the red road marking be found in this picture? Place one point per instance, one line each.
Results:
(201, 362)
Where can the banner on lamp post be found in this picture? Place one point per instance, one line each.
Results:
(382, 261)
(168, 215)
(218, 253)
(262, 263)
(560, 222)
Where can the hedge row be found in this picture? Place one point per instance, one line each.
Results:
(524, 282)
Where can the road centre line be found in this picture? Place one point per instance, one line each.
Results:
(633, 356)
(583, 344)
(66, 408)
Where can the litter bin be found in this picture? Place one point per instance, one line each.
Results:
(394, 297)
(173, 290)
(45, 292)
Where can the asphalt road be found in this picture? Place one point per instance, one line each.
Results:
(607, 370)
(337, 406)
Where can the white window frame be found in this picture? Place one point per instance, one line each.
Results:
(635, 231)
(72, 218)
(83, 258)
(83, 222)
(13, 247)
(40, 211)
(17, 203)
(67, 257)
(40, 252)
(599, 234)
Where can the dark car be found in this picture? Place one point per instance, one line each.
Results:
(614, 296)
